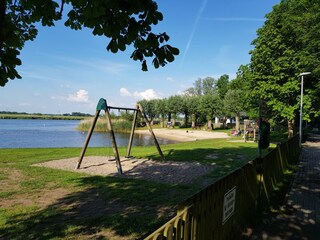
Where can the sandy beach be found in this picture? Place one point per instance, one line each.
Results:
(184, 135)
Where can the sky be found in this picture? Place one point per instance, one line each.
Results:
(65, 71)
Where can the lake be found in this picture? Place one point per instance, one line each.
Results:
(35, 133)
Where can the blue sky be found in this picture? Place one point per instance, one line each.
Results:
(66, 71)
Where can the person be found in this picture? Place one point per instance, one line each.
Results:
(236, 133)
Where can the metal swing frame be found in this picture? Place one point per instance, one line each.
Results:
(102, 105)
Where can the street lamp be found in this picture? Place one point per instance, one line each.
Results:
(301, 103)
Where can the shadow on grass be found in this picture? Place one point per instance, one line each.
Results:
(224, 158)
(108, 206)
(121, 207)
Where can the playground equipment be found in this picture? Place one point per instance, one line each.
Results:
(102, 105)
(250, 130)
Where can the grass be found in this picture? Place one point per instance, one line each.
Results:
(42, 203)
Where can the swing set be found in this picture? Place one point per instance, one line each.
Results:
(102, 105)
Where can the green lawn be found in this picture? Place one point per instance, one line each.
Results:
(43, 203)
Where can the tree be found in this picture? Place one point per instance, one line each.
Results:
(193, 103)
(209, 106)
(223, 85)
(202, 87)
(124, 22)
(184, 109)
(208, 85)
(149, 108)
(245, 82)
(288, 44)
(173, 107)
(234, 104)
(161, 109)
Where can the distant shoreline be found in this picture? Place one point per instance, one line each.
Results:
(43, 117)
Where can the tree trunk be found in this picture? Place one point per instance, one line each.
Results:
(224, 120)
(173, 120)
(238, 121)
(162, 122)
(193, 121)
(290, 128)
(185, 119)
(209, 125)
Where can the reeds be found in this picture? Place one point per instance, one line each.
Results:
(118, 125)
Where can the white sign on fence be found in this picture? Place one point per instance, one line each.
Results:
(228, 204)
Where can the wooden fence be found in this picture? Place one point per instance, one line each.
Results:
(222, 210)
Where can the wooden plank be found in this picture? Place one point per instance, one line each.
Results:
(122, 108)
(132, 132)
(84, 148)
(151, 131)
(114, 143)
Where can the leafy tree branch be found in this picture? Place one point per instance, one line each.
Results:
(124, 22)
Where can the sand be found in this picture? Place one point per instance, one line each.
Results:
(147, 169)
(184, 135)
(158, 171)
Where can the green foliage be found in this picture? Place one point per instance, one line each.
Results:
(223, 85)
(202, 87)
(161, 107)
(174, 104)
(126, 22)
(210, 105)
(287, 45)
(234, 102)
(149, 108)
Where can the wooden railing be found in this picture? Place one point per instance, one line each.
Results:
(223, 209)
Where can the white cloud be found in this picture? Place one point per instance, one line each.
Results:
(125, 93)
(170, 79)
(148, 94)
(80, 96)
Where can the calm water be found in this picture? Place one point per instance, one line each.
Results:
(34, 133)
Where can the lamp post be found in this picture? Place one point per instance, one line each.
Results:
(301, 103)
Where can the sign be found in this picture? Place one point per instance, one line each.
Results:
(228, 204)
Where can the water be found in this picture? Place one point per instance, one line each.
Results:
(34, 133)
